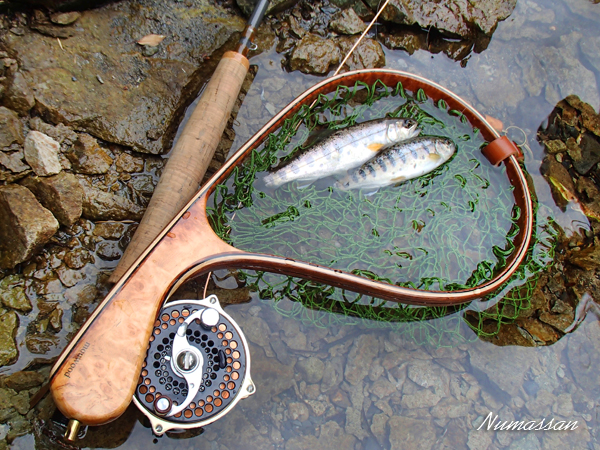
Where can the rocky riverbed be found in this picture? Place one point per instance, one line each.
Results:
(87, 115)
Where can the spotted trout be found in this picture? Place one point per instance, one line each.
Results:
(344, 150)
(399, 163)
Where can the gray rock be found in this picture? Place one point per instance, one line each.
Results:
(365, 348)
(275, 377)
(347, 22)
(451, 17)
(354, 423)
(583, 357)
(88, 157)
(99, 205)
(12, 294)
(590, 47)
(9, 322)
(19, 95)
(81, 295)
(139, 94)
(298, 411)
(11, 129)
(407, 433)
(20, 381)
(13, 161)
(368, 54)
(41, 153)
(315, 55)
(25, 225)
(311, 369)
(61, 194)
(479, 440)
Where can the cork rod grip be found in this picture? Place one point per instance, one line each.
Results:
(190, 157)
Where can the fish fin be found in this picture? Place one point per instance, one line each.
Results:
(375, 146)
(303, 184)
(434, 157)
(398, 180)
(371, 193)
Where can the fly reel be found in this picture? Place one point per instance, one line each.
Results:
(196, 369)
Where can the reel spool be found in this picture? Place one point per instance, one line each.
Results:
(196, 369)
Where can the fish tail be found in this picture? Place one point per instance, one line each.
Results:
(273, 180)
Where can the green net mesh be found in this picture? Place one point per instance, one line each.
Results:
(450, 229)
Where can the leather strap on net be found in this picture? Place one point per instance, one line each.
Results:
(500, 149)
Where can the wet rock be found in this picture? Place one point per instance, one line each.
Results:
(41, 153)
(108, 250)
(13, 161)
(109, 230)
(365, 348)
(19, 95)
(275, 6)
(60, 132)
(128, 163)
(452, 17)
(354, 423)
(139, 94)
(88, 157)
(41, 344)
(9, 322)
(561, 184)
(23, 380)
(540, 331)
(25, 225)
(78, 258)
(407, 40)
(11, 129)
(590, 47)
(407, 433)
(12, 294)
(61, 194)
(99, 205)
(311, 369)
(55, 319)
(347, 22)
(555, 146)
(70, 277)
(367, 55)
(65, 18)
(315, 55)
(588, 258)
(559, 321)
(258, 332)
(478, 440)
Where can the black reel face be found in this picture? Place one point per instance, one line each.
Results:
(196, 368)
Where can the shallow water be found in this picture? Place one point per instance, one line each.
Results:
(378, 385)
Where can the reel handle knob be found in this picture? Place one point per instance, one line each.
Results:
(162, 406)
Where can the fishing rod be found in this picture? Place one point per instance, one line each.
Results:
(196, 146)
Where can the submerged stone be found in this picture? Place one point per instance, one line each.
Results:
(12, 293)
(61, 194)
(25, 379)
(368, 54)
(41, 153)
(25, 225)
(9, 322)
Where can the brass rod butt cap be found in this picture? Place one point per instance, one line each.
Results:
(72, 430)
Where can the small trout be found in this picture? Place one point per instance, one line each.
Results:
(344, 150)
(400, 163)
